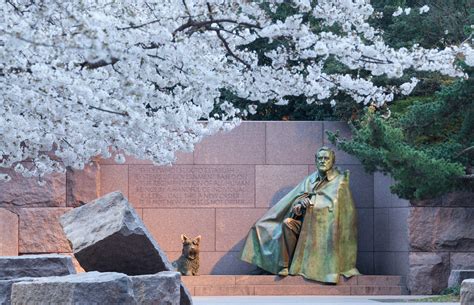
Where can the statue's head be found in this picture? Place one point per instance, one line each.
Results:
(325, 159)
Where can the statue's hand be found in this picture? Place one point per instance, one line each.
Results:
(305, 202)
(297, 209)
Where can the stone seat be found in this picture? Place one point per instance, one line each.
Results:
(225, 285)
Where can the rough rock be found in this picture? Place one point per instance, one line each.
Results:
(107, 235)
(459, 199)
(441, 229)
(6, 289)
(82, 186)
(428, 272)
(185, 295)
(35, 266)
(159, 288)
(462, 260)
(40, 231)
(454, 199)
(8, 233)
(82, 288)
(21, 191)
(467, 292)
(457, 276)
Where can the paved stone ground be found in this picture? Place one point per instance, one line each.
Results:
(309, 300)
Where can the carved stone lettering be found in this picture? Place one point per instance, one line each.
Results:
(192, 186)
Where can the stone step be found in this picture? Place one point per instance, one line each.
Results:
(223, 285)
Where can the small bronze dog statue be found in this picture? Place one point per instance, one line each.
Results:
(188, 262)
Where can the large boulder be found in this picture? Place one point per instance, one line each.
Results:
(107, 235)
(82, 288)
(467, 292)
(6, 288)
(99, 288)
(160, 288)
(428, 272)
(457, 276)
(441, 229)
(35, 266)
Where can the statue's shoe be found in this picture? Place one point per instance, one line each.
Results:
(283, 272)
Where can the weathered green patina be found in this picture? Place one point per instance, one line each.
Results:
(327, 242)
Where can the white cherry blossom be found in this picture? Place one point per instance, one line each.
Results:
(86, 78)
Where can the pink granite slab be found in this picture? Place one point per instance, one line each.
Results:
(244, 144)
(192, 186)
(293, 142)
(114, 178)
(233, 225)
(167, 225)
(41, 232)
(8, 233)
(275, 181)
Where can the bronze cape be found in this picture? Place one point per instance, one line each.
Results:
(327, 244)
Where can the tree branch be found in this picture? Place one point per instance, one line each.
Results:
(202, 24)
(98, 64)
(469, 149)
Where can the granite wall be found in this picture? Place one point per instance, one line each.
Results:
(218, 191)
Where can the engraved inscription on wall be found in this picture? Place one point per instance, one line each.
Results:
(192, 186)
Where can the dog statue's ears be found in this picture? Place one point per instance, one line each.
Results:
(198, 239)
(184, 237)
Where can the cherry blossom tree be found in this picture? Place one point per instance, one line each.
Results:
(85, 78)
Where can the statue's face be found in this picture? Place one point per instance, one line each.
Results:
(324, 161)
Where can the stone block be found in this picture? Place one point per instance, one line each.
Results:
(181, 158)
(361, 185)
(292, 142)
(462, 260)
(467, 292)
(376, 290)
(428, 272)
(192, 186)
(224, 290)
(391, 229)
(287, 281)
(107, 235)
(82, 186)
(302, 290)
(8, 233)
(381, 229)
(365, 262)
(82, 288)
(244, 144)
(443, 229)
(392, 263)
(459, 199)
(383, 197)
(233, 225)
(159, 288)
(113, 178)
(275, 181)
(219, 263)
(344, 130)
(41, 232)
(398, 223)
(167, 225)
(365, 230)
(209, 280)
(35, 266)
(22, 192)
(457, 276)
(6, 289)
(379, 280)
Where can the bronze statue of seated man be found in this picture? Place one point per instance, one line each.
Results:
(311, 231)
